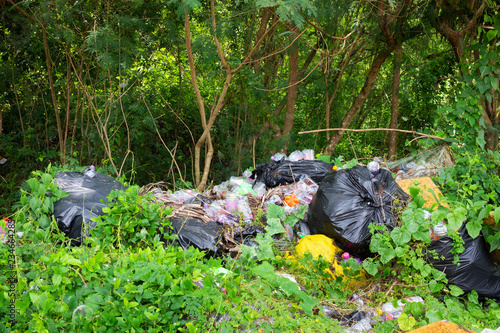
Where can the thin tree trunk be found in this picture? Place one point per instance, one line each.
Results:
(293, 79)
(358, 102)
(392, 135)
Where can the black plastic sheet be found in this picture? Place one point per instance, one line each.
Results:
(73, 213)
(348, 200)
(284, 172)
(196, 233)
(475, 270)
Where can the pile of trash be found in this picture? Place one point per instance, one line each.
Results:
(339, 206)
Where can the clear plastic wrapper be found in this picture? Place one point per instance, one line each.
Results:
(278, 156)
(308, 154)
(236, 181)
(274, 199)
(260, 189)
(181, 195)
(296, 156)
(244, 209)
(232, 202)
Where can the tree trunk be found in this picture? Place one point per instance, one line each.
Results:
(358, 102)
(293, 79)
(392, 135)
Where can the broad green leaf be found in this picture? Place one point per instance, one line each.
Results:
(433, 316)
(274, 227)
(56, 279)
(473, 228)
(44, 221)
(455, 291)
(371, 267)
(275, 211)
(405, 322)
(400, 236)
(116, 284)
(496, 214)
(491, 34)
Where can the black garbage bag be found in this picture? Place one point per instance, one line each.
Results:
(196, 233)
(284, 172)
(348, 200)
(73, 213)
(475, 270)
(198, 199)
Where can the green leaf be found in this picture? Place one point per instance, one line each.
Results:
(496, 214)
(116, 284)
(275, 211)
(44, 221)
(400, 236)
(433, 316)
(274, 226)
(455, 291)
(371, 267)
(491, 34)
(46, 178)
(265, 247)
(56, 279)
(405, 322)
(474, 228)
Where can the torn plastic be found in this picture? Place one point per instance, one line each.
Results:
(73, 213)
(284, 172)
(348, 201)
(475, 269)
(196, 233)
(425, 163)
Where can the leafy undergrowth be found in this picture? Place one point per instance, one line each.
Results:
(123, 279)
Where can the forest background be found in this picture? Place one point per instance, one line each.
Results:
(192, 92)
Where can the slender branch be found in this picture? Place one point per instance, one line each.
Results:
(423, 135)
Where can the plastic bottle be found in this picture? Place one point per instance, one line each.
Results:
(90, 171)
(440, 230)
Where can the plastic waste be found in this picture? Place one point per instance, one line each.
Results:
(245, 188)
(284, 172)
(90, 171)
(302, 229)
(191, 232)
(220, 190)
(439, 230)
(232, 203)
(291, 200)
(88, 196)
(236, 181)
(296, 156)
(274, 199)
(475, 269)
(389, 310)
(374, 168)
(278, 157)
(260, 189)
(348, 201)
(197, 199)
(289, 232)
(182, 195)
(244, 209)
(308, 154)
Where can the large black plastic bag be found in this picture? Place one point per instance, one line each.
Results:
(475, 269)
(73, 213)
(284, 172)
(348, 200)
(196, 233)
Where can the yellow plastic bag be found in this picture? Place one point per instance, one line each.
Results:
(321, 245)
